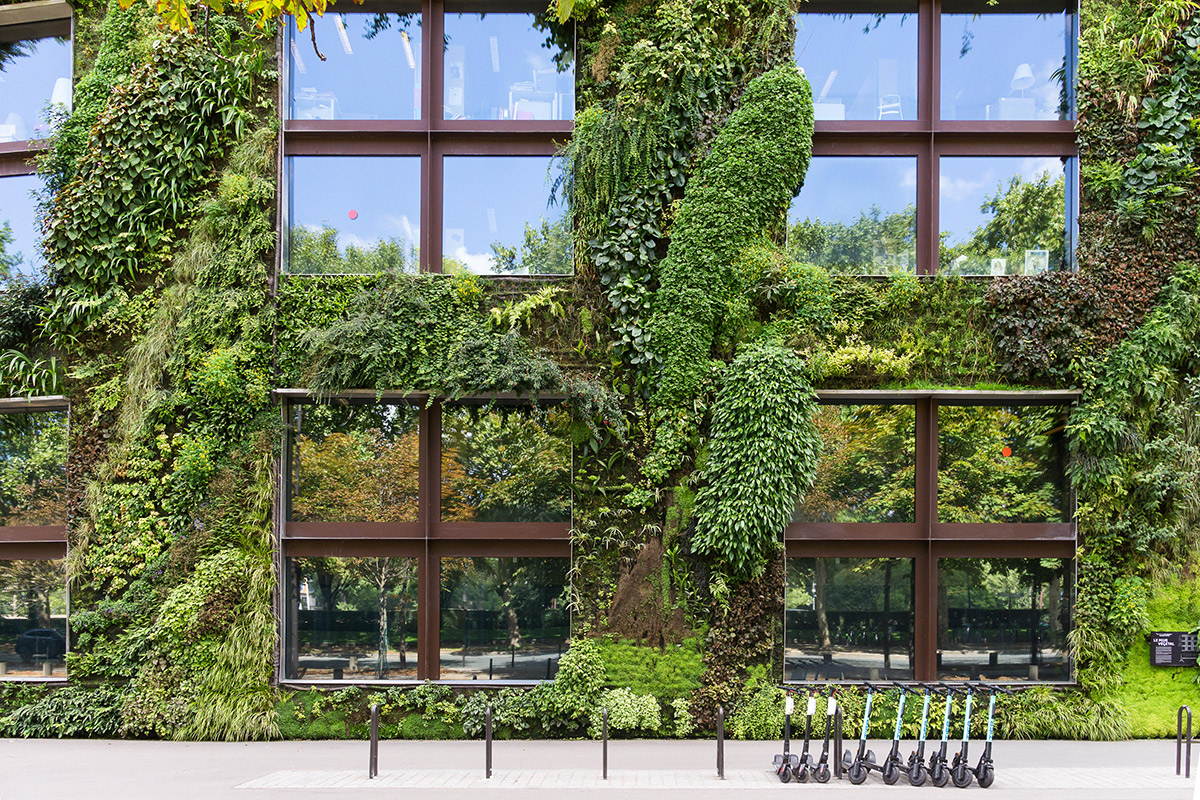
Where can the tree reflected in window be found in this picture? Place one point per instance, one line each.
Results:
(33, 479)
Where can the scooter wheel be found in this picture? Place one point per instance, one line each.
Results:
(961, 775)
(939, 776)
(801, 773)
(785, 774)
(821, 774)
(891, 773)
(870, 757)
(916, 774)
(986, 776)
(857, 773)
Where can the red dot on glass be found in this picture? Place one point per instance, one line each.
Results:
(353, 214)
(1006, 452)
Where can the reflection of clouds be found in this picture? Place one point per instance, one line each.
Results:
(346, 240)
(392, 222)
(478, 263)
(909, 180)
(1031, 168)
(958, 190)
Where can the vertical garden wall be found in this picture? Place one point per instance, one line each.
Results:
(674, 371)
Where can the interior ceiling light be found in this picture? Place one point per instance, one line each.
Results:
(299, 61)
(408, 53)
(492, 221)
(495, 54)
(341, 29)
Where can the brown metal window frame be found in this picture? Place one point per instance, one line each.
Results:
(431, 137)
(31, 21)
(928, 138)
(428, 539)
(926, 540)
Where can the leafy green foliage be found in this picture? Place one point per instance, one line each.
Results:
(668, 673)
(763, 454)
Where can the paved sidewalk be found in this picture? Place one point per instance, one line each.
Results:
(108, 770)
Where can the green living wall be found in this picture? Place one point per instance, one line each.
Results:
(688, 346)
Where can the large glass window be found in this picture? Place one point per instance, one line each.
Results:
(1004, 66)
(499, 220)
(33, 599)
(20, 240)
(33, 478)
(499, 67)
(1003, 215)
(355, 618)
(354, 463)
(503, 618)
(856, 216)
(867, 469)
(354, 214)
(505, 465)
(36, 74)
(861, 66)
(1004, 619)
(371, 69)
(848, 619)
(1002, 464)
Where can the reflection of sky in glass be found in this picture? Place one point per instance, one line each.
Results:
(840, 189)
(490, 199)
(27, 84)
(1007, 68)
(498, 67)
(361, 78)
(366, 199)
(857, 75)
(17, 208)
(966, 182)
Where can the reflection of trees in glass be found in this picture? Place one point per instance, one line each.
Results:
(546, 250)
(357, 464)
(10, 262)
(979, 597)
(314, 251)
(1000, 464)
(876, 243)
(867, 469)
(526, 596)
(35, 590)
(1026, 215)
(505, 465)
(384, 588)
(33, 479)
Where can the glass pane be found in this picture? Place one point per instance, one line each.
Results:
(499, 67)
(503, 618)
(20, 239)
(1002, 215)
(33, 642)
(507, 465)
(1004, 619)
(856, 216)
(498, 219)
(354, 464)
(1004, 66)
(867, 471)
(354, 214)
(1002, 464)
(848, 619)
(35, 73)
(33, 482)
(861, 66)
(355, 619)
(372, 67)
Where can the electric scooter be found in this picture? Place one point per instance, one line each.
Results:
(806, 758)
(820, 770)
(939, 772)
(893, 765)
(786, 763)
(916, 760)
(861, 763)
(985, 771)
(960, 770)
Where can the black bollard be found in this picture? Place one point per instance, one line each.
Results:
(373, 766)
(487, 767)
(604, 718)
(721, 742)
(1187, 762)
